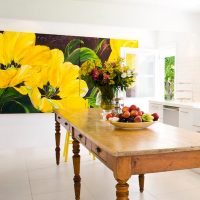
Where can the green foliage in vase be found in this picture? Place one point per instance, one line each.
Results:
(169, 77)
(92, 97)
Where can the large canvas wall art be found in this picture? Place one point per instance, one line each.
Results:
(40, 72)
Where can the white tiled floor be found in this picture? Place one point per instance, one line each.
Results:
(30, 172)
(25, 175)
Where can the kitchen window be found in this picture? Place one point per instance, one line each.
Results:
(145, 62)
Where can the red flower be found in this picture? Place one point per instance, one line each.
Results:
(105, 78)
(95, 74)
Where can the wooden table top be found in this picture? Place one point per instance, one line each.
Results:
(158, 138)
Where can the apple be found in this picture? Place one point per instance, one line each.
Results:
(138, 109)
(138, 119)
(133, 107)
(109, 115)
(155, 116)
(140, 113)
(134, 113)
(125, 108)
(126, 114)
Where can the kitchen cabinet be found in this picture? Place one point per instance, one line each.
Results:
(196, 128)
(187, 115)
(185, 118)
(171, 115)
(196, 120)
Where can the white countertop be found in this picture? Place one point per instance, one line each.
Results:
(182, 104)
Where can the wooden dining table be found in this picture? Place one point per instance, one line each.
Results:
(157, 148)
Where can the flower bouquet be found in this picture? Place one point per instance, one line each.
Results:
(108, 77)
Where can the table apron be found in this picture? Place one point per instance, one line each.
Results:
(165, 162)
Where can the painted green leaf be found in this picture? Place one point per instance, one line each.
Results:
(23, 106)
(82, 54)
(74, 57)
(8, 94)
(71, 46)
(12, 101)
(1, 91)
(99, 45)
(13, 107)
(87, 54)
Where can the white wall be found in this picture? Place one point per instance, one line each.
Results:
(93, 17)
(28, 130)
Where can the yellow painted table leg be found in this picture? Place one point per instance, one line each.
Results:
(66, 146)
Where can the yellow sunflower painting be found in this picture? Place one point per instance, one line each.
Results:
(40, 72)
(58, 86)
(117, 44)
(19, 57)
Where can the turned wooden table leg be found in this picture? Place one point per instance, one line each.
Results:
(76, 163)
(57, 137)
(141, 182)
(122, 192)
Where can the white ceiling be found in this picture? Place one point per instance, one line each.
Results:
(182, 5)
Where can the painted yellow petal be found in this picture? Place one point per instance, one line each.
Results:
(23, 90)
(57, 104)
(73, 104)
(55, 67)
(2, 60)
(74, 88)
(69, 72)
(10, 39)
(37, 57)
(35, 97)
(22, 45)
(46, 105)
(83, 88)
(6, 77)
(23, 74)
(39, 79)
(116, 44)
(57, 57)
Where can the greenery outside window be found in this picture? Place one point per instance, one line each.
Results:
(169, 77)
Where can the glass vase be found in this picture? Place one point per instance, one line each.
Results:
(106, 100)
(118, 101)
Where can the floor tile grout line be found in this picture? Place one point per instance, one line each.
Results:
(29, 181)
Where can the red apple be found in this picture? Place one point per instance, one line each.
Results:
(134, 113)
(125, 108)
(109, 115)
(133, 107)
(140, 113)
(138, 119)
(155, 116)
(138, 109)
(126, 114)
